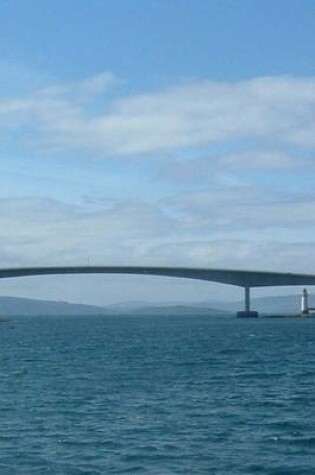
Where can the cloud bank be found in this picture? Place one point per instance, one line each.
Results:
(274, 109)
(198, 230)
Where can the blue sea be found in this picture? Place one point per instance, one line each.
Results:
(157, 395)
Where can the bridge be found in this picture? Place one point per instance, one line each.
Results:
(241, 278)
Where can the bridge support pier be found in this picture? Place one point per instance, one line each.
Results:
(247, 313)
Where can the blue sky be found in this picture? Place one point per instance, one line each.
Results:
(155, 132)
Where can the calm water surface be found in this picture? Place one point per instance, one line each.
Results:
(99, 395)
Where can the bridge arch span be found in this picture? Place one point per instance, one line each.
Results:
(240, 278)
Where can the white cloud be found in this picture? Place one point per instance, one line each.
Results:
(98, 84)
(227, 168)
(260, 159)
(82, 90)
(245, 208)
(40, 231)
(277, 109)
(269, 255)
(187, 230)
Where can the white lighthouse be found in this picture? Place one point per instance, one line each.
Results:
(304, 307)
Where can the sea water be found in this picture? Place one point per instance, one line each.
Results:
(157, 395)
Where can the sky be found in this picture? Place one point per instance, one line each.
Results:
(155, 132)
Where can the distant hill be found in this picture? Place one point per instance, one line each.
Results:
(15, 306)
(264, 305)
(11, 306)
(173, 310)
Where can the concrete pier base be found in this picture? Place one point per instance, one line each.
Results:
(245, 314)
